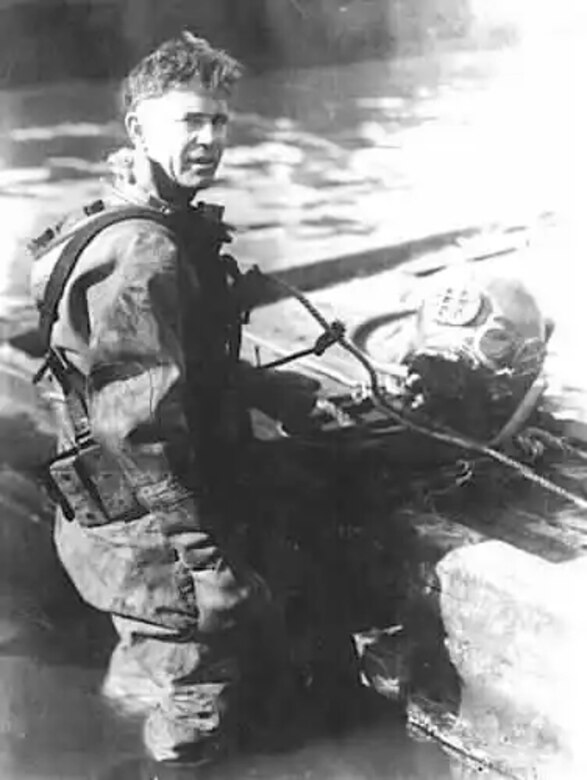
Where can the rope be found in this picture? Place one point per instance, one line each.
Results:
(331, 335)
(311, 365)
(438, 434)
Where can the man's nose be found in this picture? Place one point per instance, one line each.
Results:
(206, 134)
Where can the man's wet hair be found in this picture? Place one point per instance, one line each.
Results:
(176, 62)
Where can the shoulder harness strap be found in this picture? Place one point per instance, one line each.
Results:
(70, 255)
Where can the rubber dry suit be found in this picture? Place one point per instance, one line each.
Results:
(148, 331)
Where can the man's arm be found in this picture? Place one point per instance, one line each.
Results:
(282, 395)
(136, 387)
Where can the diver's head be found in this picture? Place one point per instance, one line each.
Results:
(175, 106)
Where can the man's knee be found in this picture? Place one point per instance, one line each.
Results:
(192, 719)
(226, 600)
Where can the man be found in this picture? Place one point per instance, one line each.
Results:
(144, 339)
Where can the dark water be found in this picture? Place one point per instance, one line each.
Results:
(322, 161)
(58, 728)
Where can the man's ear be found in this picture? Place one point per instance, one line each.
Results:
(134, 129)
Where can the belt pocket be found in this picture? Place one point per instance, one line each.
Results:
(91, 487)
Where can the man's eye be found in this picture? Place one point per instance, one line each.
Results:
(193, 122)
(198, 122)
(219, 120)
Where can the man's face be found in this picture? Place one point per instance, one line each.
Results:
(183, 131)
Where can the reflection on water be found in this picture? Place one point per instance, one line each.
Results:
(327, 159)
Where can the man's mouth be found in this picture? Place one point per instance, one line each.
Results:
(202, 162)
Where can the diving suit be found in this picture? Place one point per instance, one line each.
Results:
(144, 378)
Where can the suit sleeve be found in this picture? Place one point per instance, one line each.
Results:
(282, 395)
(136, 384)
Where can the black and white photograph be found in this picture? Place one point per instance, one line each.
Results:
(293, 400)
